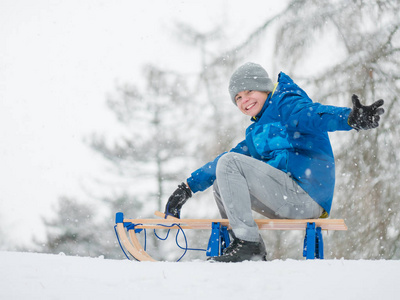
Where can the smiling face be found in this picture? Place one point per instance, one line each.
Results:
(251, 102)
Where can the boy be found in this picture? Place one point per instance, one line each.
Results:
(284, 168)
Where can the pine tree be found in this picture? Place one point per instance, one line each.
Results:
(153, 148)
(72, 230)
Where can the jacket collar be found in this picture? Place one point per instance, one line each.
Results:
(258, 116)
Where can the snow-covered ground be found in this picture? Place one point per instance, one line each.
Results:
(44, 276)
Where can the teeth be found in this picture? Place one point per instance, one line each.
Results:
(250, 106)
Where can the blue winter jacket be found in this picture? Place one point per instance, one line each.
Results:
(291, 134)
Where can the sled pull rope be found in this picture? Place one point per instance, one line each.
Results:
(186, 248)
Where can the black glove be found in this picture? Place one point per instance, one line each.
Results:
(365, 117)
(177, 199)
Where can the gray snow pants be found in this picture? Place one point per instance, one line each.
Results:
(244, 184)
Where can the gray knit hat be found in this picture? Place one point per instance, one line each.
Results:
(250, 76)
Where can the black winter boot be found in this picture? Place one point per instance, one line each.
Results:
(240, 250)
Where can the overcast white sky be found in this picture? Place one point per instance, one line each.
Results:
(58, 61)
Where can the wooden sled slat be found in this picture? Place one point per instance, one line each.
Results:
(138, 246)
(266, 224)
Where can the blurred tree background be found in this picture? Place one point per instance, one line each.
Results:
(176, 122)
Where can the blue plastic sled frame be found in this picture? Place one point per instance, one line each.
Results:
(219, 240)
(313, 241)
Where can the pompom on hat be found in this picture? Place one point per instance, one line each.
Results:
(249, 76)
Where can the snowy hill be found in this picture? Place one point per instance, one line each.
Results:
(44, 276)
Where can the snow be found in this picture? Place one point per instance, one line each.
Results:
(46, 276)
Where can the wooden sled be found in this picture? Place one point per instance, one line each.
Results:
(126, 230)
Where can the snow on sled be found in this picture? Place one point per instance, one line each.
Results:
(127, 229)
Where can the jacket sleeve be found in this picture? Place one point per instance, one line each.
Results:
(302, 114)
(298, 112)
(204, 177)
